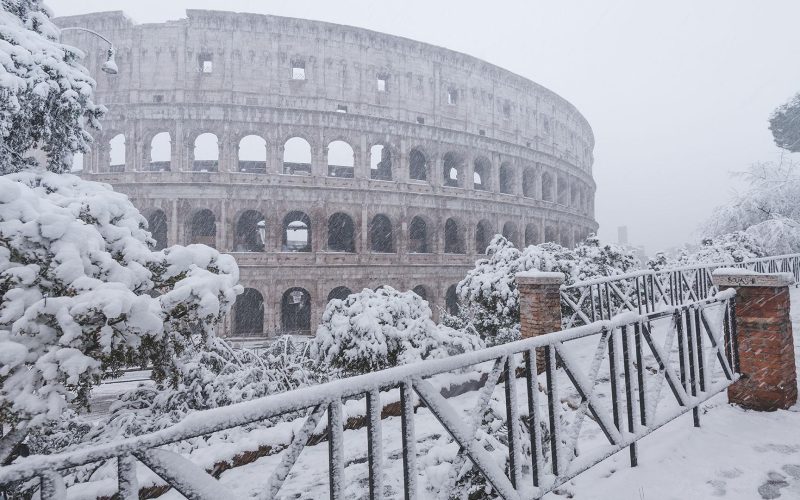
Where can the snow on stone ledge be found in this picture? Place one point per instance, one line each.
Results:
(535, 277)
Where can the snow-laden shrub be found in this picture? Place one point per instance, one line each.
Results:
(777, 236)
(488, 294)
(376, 329)
(83, 295)
(45, 93)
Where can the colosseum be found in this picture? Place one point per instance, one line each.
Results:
(329, 158)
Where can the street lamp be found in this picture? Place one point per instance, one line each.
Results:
(110, 66)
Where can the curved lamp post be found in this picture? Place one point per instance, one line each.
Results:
(110, 66)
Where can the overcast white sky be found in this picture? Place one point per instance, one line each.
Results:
(678, 93)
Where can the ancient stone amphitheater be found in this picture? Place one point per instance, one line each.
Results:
(329, 158)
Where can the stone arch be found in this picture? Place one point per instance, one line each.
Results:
(507, 181)
(577, 236)
(203, 228)
(206, 153)
(574, 199)
(510, 233)
(248, 313)
(381, 234)
(252, 154)
(296, 232)
(417, 165)
(482, 173)
(420, 235)
(531, 234)
(551, 234)
(341, 233)
(116, 153)
(483, 236)
(157, 225)
(454, 236)
(251, 232)
(451, 300)
(341, 159)
(340, 292)
(296, 311)
(296, 156)
(547, 186)
(453, 169)
(161, 152)
(380, 162)
(422, 291)
(529, 183)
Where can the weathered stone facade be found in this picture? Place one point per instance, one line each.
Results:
(443, 118)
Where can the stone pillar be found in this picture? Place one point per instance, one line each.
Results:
(539, 306)
(764, 331)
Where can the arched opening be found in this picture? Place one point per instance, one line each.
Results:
(248, 313)
(576, 237)
(562, 191)
(547, 187)
(206, 153)
(340, 292)
(421, 291)
(451, 301)
(419, 236)
(380, 234)
(157, 225)
(510, 233)
(380, 162)
(483, 236)
(297, 157)
(506, 179)
(251, 232)
(296, 232)
(116, 153)
(296, 311)
(529, 183)
(453, 237)
(161, 152)
(417, 165)
(574, 199)
(341, 233)
(482, 168)
(550, 234)
(341, 160)
(531, 235)
(453, 169)
(253, 155)
(564, 240)
(204, 228)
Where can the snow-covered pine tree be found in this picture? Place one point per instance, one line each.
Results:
(45, 93)
(376, 329)
(82, 294)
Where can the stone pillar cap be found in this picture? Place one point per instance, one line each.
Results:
(539, 278)
(736, 276)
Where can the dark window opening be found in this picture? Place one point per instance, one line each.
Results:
(453, 237)
(380, 234)
(296, 232)
(417, 165)
(340, 293)
(341, 233)
(248, 313)
(381, 163)
(296, 311)
(251, 232)
(483, 236)
(418, 236)
(204, 228)
(157, 225)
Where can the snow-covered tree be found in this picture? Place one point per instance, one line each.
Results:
(82, 295)
(785, 125)
(489, 294)
(767, 210)
(376, 329)
(45, 93)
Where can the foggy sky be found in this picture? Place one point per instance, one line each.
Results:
(678, 93)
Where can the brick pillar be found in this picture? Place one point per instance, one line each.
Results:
(766, 348)
(539, 306)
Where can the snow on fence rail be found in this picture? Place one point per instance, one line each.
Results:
(612, 371)
(647, 291)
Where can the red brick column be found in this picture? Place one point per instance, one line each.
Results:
(539, 306)
(766, 348)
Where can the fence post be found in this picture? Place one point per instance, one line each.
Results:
(764, 330)
(539, 306)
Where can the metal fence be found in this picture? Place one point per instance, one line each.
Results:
(612, 371)
(647, 291)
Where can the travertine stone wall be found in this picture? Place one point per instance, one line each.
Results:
(536, 146)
